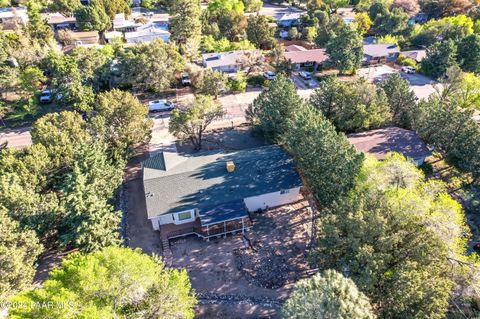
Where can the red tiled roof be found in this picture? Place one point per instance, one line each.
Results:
(315, 55)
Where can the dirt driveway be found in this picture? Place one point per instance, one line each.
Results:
(139, 232)
(231, 275)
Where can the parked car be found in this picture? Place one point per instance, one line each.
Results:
(186, 79)
(148, 14)
(46, 97)
(269, 75)
(160, 105)
(409, 69)
(305, 75)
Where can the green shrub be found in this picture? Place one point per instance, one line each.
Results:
(255, 80)
(405, 61)
(239, 83)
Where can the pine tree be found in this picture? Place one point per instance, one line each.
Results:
(325, 158)
(19, 250)
(272, 110)
(186, 26)
(325, 296)
(91, 222)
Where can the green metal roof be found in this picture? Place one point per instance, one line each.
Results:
(175, 183)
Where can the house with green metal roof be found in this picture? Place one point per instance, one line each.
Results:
(212, 193)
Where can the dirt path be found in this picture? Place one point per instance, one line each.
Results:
(139, 231)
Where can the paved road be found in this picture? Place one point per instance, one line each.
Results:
(234, 105)
(17, 138)
(420, 84)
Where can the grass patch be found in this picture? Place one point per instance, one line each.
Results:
(26, 111)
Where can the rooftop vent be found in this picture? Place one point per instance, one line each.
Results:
(230, 166)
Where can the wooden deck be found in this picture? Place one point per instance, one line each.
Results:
(171, 231)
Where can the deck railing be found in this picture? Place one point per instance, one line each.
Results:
(202, 232)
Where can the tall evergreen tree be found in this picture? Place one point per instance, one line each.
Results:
(440, 56)
(352, 106)
(19, 250)
(326, 159)
(151, 66)
(401, 99)
(469, 53)
(91, 222)
(272, 110)
(60, 133)
(325, 296)
(90, 18)
(345, 50)
(121, 122)
(37, 27)
(186, 25)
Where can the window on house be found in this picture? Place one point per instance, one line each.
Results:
(184, 216)
(284, 191)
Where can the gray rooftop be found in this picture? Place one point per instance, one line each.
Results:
(390, 139)
(175, 183)
(219, 59)
(417, 55)
(380, 50)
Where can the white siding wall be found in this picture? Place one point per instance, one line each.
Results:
(272, 199)
(166, 219)
(252, 203)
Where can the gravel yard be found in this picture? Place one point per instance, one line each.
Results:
(248, 277)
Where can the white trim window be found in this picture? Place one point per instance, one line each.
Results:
(186, 216)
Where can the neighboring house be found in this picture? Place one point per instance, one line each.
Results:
(225, 61)
(57, 21)
(211, 193)
(380, 142)
(121, 24)
(380, 53)
(347, 14)
(289, 20)
(12, 17)
(417, 55)
(148, 33)
(302, 57)
(85, 37)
